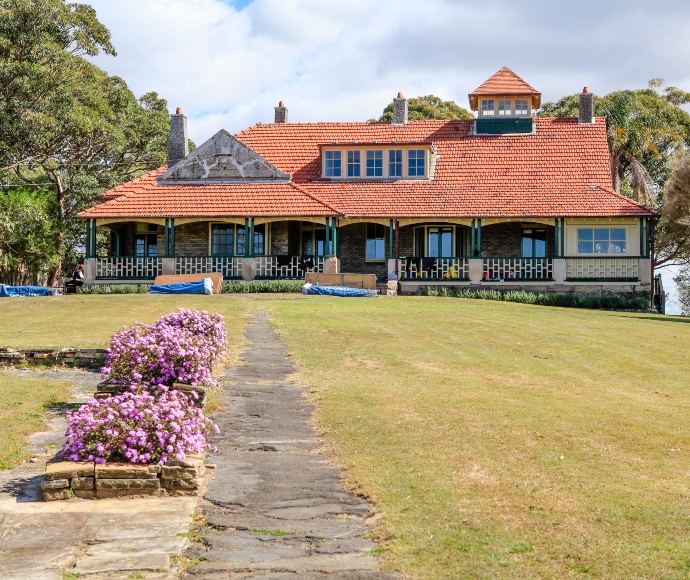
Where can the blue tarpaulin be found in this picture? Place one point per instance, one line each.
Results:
(10, 291)
(200, 287)
(343, 291)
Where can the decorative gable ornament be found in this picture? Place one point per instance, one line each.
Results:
(223, 159)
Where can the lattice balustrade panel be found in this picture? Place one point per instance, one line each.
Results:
(593, 268)
(128, 267)
(518, 268)
(229, 266)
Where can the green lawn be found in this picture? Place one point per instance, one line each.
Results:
(503, 440)
(500, 440)
(23, 403)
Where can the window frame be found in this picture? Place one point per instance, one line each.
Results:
(500, 112)
(488, 112)
(336, 160)
(534, 239)
(376, 239)
(410, 159)
(527, 109)
(610, 241)
(373, 154)
(390, 161)
(239, 240)
(397, 162)
(354, 164)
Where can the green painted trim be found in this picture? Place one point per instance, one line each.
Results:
(472, 242)
(94, 247)
(648, 244)
(479, 236)
(246, 238)
(335, 239)
(602, 279)
(87, 239)
(117, 244)
(172, 238)
(166, 238)
(391, 254)
(495, 126)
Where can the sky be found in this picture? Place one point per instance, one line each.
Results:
(227, 63)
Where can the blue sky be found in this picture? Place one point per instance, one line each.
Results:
(227, 63)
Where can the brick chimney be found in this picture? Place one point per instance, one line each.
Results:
(281, 113)
(586, 107)
(178, 147)
(400, 110)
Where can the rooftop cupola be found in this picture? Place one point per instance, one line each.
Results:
(504, 104)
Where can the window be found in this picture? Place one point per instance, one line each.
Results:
(376, 242)
(415, 159)
(395, 163)
(146, 245)
(521, 107)
(601, 241)
(259, 239)
(353, 166)
(440, 243)
(332, 168)
(534, 243)
(240, 240)
(488, 107)
(375, 163)
(505, 107)
(222, 239)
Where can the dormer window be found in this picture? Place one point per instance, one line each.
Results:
(375, 163)
(505, 107)
(416, 162)
(521, 107)
(488, 106)
(395, 163)
(332, 167)
(353, 164)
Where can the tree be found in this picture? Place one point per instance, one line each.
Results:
(429, 107)
(674, 227)
(682, 281)
(63, 121)
(644, 128)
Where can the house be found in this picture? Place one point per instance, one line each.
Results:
(507, 200)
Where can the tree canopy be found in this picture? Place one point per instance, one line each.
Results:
(65, 123)
(429, 107)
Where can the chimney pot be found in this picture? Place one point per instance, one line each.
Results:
(586, 115)
(281, 115)
(399, 110)
(178, 146)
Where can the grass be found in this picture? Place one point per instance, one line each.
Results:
(90, 320)
(23, 403)
(506, 440)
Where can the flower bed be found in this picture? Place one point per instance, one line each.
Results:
(148, 416)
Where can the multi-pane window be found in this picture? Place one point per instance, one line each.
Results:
(222, 239)
(488, 107)
(241, 241)
(601, 241)
(376, 242)
(146, 245)
(395, 163)
(375, 163)
(415, 162)
(259, 239)
(333, 164)
(505, 107)
(353, 164)
(521, 107)
(534, 243)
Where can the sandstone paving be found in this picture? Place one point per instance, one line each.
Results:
(275, 507)
(104, 538)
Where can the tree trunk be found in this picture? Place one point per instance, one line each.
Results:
(55, 272)
(616, 171)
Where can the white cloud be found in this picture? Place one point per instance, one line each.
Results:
(228, 67)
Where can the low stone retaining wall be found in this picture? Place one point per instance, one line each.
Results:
(66, 479)
(107, 389)
(80, 357)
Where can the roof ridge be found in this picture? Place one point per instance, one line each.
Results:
(626, 198)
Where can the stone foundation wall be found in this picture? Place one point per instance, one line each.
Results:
(66, 479)
(81, 357)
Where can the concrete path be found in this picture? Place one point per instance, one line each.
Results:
(105, 538)
(275, 507)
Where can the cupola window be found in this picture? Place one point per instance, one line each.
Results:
(488, 107)
(505, 107)
(521, 107)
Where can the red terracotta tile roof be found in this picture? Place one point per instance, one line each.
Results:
(147, 198)
(505, 83)
(561, 170)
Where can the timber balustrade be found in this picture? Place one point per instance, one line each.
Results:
(435, 268)
(229, 266)
(517, 268)
(128, 267)
(271, 267)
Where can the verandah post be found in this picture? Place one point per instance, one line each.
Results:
(166, 239)
(479, 237)
(472, 245)
(391, 253)
(251, 237)
(335, 238)
(94, 249)
(87, 240)
(246, 236)
(172, 237)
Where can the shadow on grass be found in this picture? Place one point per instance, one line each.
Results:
(682, 319)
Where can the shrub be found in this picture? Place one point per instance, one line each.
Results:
(116, 289)
(137, 427)
(564, 300)
(263, 286)
(181, 347)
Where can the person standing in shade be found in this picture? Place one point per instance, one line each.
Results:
(78, 278)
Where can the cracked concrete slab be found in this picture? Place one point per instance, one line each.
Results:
(275, 507)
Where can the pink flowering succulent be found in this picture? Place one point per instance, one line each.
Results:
(180, 347)
(137, 427)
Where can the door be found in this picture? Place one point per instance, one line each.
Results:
(440, 242)
(145, 245)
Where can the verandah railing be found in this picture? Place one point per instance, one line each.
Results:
(435, 268)
(517, 268)
(602, 269)
(128, 267)
(286, 266)
(229, 266)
